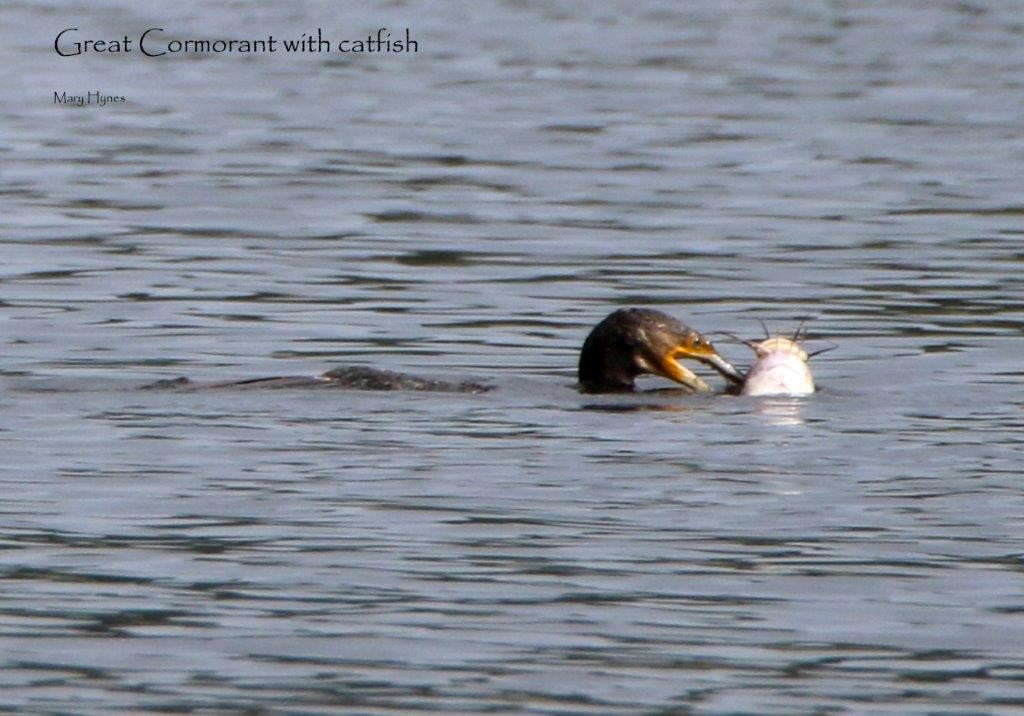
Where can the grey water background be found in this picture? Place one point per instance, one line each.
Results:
(471, 210)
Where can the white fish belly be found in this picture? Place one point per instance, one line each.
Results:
(779, 374)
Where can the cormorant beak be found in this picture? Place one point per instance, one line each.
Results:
(671, 368)
(727, 369)
(704, 352)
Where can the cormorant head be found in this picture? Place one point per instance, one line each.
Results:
(634, 341)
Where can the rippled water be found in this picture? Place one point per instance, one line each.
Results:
(471, 211)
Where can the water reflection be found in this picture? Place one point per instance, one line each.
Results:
(781, 411)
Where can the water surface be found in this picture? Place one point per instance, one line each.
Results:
(471, 211)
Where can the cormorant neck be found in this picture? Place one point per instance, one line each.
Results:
(606, 366)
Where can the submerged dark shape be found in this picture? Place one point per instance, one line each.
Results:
(360, 378)
(633, 341)
(346, 377)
